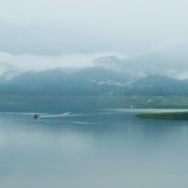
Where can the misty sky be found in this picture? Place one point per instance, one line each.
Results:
(57, 31)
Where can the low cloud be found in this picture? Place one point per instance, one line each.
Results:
(39, 63)
(171, 63)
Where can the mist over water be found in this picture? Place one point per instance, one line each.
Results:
(101, 148)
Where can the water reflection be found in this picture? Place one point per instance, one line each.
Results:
(104, 148)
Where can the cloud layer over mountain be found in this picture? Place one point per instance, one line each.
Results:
(46, 34)
(72, 26)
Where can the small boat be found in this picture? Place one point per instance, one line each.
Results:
(36, 116)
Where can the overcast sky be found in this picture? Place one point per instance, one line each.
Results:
(71, 28)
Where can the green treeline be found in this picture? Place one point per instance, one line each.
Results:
(165, 116)
(89, 89)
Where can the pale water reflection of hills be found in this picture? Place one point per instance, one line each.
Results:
(111, 146)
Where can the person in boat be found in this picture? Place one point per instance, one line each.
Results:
(36, 116)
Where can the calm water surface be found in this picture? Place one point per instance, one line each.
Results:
(94, 149)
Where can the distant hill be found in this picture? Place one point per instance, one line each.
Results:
(94, 87)
(59, 82)
(158, 86)
(91, 82)
(172, 63)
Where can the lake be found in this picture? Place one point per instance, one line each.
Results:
(92, 149)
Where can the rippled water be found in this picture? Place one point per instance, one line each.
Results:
(94, 149)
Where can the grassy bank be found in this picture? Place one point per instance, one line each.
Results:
(165, 116)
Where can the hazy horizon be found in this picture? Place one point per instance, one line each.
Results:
(40, 35)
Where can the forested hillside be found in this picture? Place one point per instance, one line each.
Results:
(92, 87)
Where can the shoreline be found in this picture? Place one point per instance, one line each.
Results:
(164, 115)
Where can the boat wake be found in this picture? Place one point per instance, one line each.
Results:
(57, 115)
